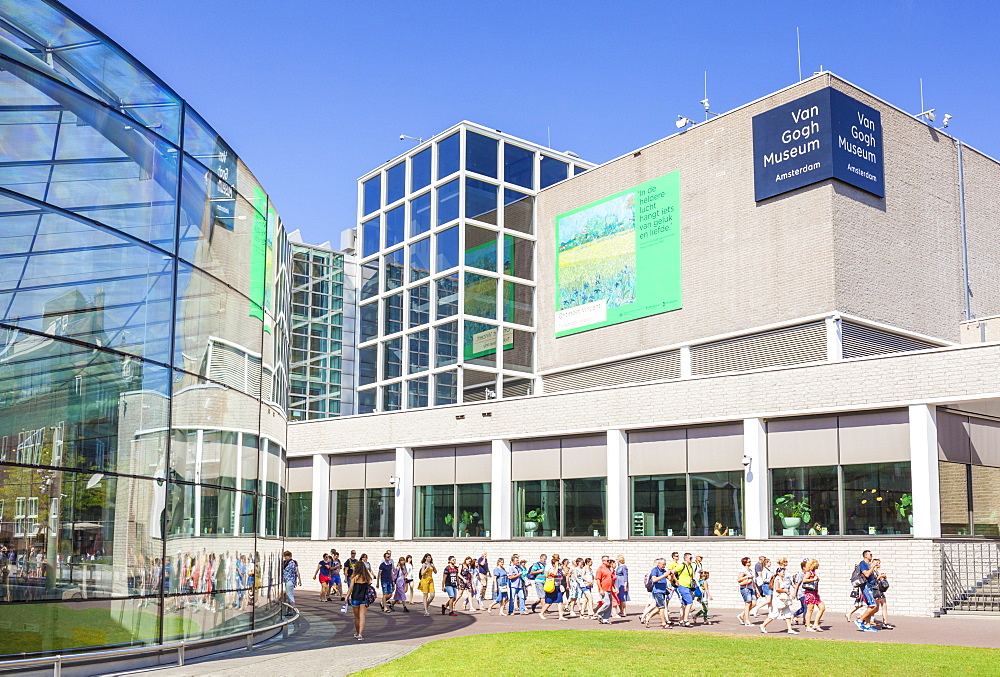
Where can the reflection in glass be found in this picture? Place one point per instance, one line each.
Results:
(370, 236)
(369, 322)
(381, 520)
(817, 486)
(392, 396)
(473, 509)
(447, 249)
(584, 502)
(300, 514)
(392, 313)
(447, 296)
(369, 279)
(985, 501)
(518, 166)
(659, 505)
(419, 351)
(395, 183)
(872, 495)
(536, 509)
(447, 202)
(481, 154)
(446, 388)
(434, 511)
(480, 295)
(417, 391)
(420, 259)
(518, 351)
(420, 170)
(518, 257)
(518, 211)
(395, 226)
(367, 365)
(420, 214)
(394, 264)
(420, 305)
(717, 503)
(348, 521)
(446, 344)
(480, 343)
(393, 358)
(552, 171)
(372, 191)
(367, 400)
(478, 385)
(448, 155)
(518, 303)
(480, 248)
(481, 201)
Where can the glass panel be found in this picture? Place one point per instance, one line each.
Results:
(417, 392)
(348, 512)
(58, 626)
(446, 388)
(481, 154)
(394, 265)
(446, 344)
(434, 511)
(447, 296)
(536, 509)
(420, 305)
(447, 249)
(518, 303)
(874, 500)
(516, 387)
(518, 166)
(480, 295)
(659, 505)
(369, 279)
(480, 248)
(420, 214)
(985, 500)
(381, 513)
(395, 226)
(584, 502)
(552, 171)
(367, 401)
(447, 202)
(808, 501)
(392, 397)
(953, 479)
(219, 459)
(518, 351)
(368, 365)
(392, 313)
(420, 170)
(473, 509)
(420, 259)
(395, 183)
(393, 358)
(372, 189)
(478, 386)
(248, 463)
(300, 514)
(480, 345)
(518, 211)
(370, 236)
(448, 155)
(518, 257)
(717, 503)
(480, 201)
(420, 351)
(369, 322)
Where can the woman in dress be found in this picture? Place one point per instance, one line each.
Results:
(409, 577)
(357, 593)
(748, 591)
(621, 577)
(555, 579)
(763, 582)
(426, 585)
(466, 586)
(814, 605)
(501, 589)
(399, 579)
(586, 588)
(781, 599)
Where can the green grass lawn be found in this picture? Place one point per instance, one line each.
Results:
(626, 652)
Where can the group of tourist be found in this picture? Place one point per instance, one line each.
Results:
(581, 588)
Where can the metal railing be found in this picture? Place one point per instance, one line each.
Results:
(970, 576)
(180, 647)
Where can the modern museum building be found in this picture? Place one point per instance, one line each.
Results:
(776, 331)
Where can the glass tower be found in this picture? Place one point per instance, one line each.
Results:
(143, 354)
(323, 303)
(447, 269)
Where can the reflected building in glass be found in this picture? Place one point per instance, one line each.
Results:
(144, 324)
(447, 268)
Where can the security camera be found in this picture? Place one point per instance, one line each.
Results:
(680, 123)
(402, 137)
(746, 461)
(947, 119)
(392, 480)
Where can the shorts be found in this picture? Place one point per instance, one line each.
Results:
(748, 593)
(685, 595)
(765, 590)
(554, 597)
(334, 580)
(358, 602)
(660, 598)
(388, 588)
(451, 591)
(325, 580)
(868, 596)
(500, 595)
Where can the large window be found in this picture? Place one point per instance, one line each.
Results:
(536, 509)
(716, 503)
(554, 508)
(300, 514)
(364, 513)
(804, 501)
(969, 475)
(659, 505)
(448, 511)
(877, 499)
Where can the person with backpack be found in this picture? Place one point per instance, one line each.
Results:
(810, 594)
(360, 594)
(863, 579)
(656, 584)
(881, 587)
(290, 575)
(748, 590)
(516, 583)
(536, 574)
(685, 581)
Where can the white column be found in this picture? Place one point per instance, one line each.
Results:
(501, 492)
(618, 513)
(756, 513)
(404, 493)
(685, 355)
(321, 497)
(924, 471)
(834, 339)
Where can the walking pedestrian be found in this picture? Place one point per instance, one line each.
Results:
(810, 592)
(358, 594)
(748, 590)
(685, 581)
(323, 572)
(867, 577)
(290, 575)
(426, 585)
(409, 578)
(449, 582)
(605, 580)
(336, 575)
(781, 601)
(554, 587)
(501, 588)
(658, 589)
(385, 581)
(881, 587)
(515, 576)
(798, 592)
(482, 580)
(587, 588)
(399, 579)
(466, 584)
(349, 565)
(621, 576)
(762, 579)
(536, 574)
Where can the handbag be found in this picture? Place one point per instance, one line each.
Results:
(810, 586)
(550, 585)
(370, 596)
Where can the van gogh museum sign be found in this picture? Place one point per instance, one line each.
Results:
(823, 135)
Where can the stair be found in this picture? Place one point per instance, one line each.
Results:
(983, 599)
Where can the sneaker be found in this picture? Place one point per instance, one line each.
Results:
(861, 626)
(427, 613)
(793, 631)
(869, 628)
(453, 613)
(740, 619)
(360, 638)
(443, 612)
(763, 629)
(605, 621)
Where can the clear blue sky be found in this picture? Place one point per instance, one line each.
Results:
(313, 94)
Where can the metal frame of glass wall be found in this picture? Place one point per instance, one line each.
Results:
(143, 354)
(447, 269)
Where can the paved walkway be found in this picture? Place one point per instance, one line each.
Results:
(322, 644)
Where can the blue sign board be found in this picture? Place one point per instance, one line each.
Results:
(822, 135)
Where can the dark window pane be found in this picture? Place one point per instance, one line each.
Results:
(804, 500)
(395, 183)
(872, 499)
(446, 388)
(448, 156)
(659, 505)
(392, 313)
(434, 511)
(953, 480)
(367, 400)
(300, 514)
(395, 226)
(578, 170)
(394, 270)
(420, 259)
(518, 166)
(447, 249)
(349, 513)
(369, 322)
(372, 195)
(717, 503)
(417, 392)
(420, 351)
(536, 509)
(369, 279)
(518, 350)
(392, 397)
(584, 502)
(447, 296)
(518, 211)
(368, 365)
(420, 214)
(480, 201)
(473, 515)
(481, 248)
(446, 344)
(420, 170)
(481, 154)
(371, 237)
(420, 305)
(552, 171)
(392, 354)
(447, 202)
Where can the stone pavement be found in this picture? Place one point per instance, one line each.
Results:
(322, 644)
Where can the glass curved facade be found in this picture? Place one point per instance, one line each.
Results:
(144, 328)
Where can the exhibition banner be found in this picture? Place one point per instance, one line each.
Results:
(619, 258)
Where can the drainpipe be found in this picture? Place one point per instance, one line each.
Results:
(965, 235)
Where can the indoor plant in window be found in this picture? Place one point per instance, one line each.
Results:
(532, 520)
(792, 512)
(465, 520)
(904, 506)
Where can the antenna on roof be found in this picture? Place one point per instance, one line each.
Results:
(798, 48)
(548, 137)
(704, 102)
